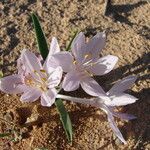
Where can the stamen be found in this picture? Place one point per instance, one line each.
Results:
(92, 64)
(89, 55)
(86, 56)
(43, 71)
(74, 62)
(88, 62)
(36, 73)
(89, 73)
(29, 82)
(40, 83)
(44, 79)
(42, 88)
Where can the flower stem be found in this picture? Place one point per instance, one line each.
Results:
(78, 100)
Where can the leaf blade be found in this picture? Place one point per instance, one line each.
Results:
(64, 117)
(69, 45)
(40, 37)
(4, 134)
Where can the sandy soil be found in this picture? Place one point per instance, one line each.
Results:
(127, 37)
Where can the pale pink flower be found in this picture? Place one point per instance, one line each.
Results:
(117, 92)
(115, 97)
(33, 80)
(118, 98)
(83, 63)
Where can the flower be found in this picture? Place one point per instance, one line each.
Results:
(117, 98)
(117, 95)
(33, 80)
(83, 63)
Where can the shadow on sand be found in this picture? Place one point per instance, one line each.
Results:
(121, 12)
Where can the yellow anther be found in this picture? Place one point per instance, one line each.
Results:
(89, 73)
(43, 71)
(36, 72)
(44, 79)
(86, 56)
(89, 55)
(28, 82)
(91, 64)
(42, 88)
(74, 62)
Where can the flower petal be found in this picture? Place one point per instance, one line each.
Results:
(54, 48)
(115, 128)
(97, 68)
(71, 82)
(63, 59)
(30, 95)
(21, 67)
(109, 62)
(121, 100)
(78, 46)
(112, 123)
(23, 88)
(96, 44)
(48, 98)
(55, 77)
(30, 61)
(91, 87)
(122, 85)
(124, 116)
(10, 84)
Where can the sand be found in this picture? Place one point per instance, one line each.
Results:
(127, 37)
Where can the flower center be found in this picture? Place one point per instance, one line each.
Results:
(39, 81)
(83, 67)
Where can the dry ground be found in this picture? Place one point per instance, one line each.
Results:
(127, 37)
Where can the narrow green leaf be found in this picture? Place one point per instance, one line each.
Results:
(64, 117)
(4, 134)
(69, 45)
(43, 48)
(40, 37)
(1, 74)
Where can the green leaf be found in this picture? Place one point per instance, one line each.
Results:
(1, 74)
(4, 134)
(64, 117)
(40, 37)
(43, 48)
(69, 45)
